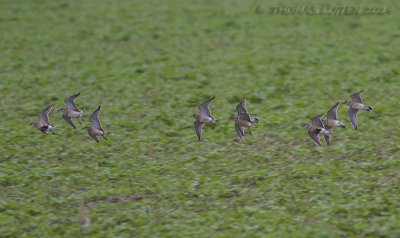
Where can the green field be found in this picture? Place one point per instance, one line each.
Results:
(150, 64)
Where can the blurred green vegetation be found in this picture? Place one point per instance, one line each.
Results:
(150, 64)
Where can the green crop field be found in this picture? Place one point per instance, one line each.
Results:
(149, 64)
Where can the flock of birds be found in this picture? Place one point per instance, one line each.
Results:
(318, 125)
(69, 112)
(242, 120)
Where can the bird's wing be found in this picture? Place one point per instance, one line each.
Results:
(239, 131)
(94, 119)
(356, 97)
(94, 138)
(353, 117)
(314, 137)
(68, 119)
(44, 115)
(70, 102)
(204, 110)
(317, 120)
(242, 111)
(241, 107)
(332, 113)
(198, 128)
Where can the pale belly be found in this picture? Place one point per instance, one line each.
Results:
(356, 105)
(96, 132)
(205, 119)
(332, 123)
(73, 113)
(244, 123)
(51, 128)
(323, 131)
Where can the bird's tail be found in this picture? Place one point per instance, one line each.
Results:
(368, 108)
(214, 121)
(342, 125)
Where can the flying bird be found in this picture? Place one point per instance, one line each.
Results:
(245, 115)
(356, 104)
(316, 127)
(203, 117)
(330, 122)
(95, 129)
(243, 119)
(240, 124)
(43, 124)
(71, 111)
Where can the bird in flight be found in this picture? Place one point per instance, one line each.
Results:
(203, 117)
(43, 124)
(243, 119)
(355, 105)
(71, 111)
(330, 122)
(315, 128)
(95, 129)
